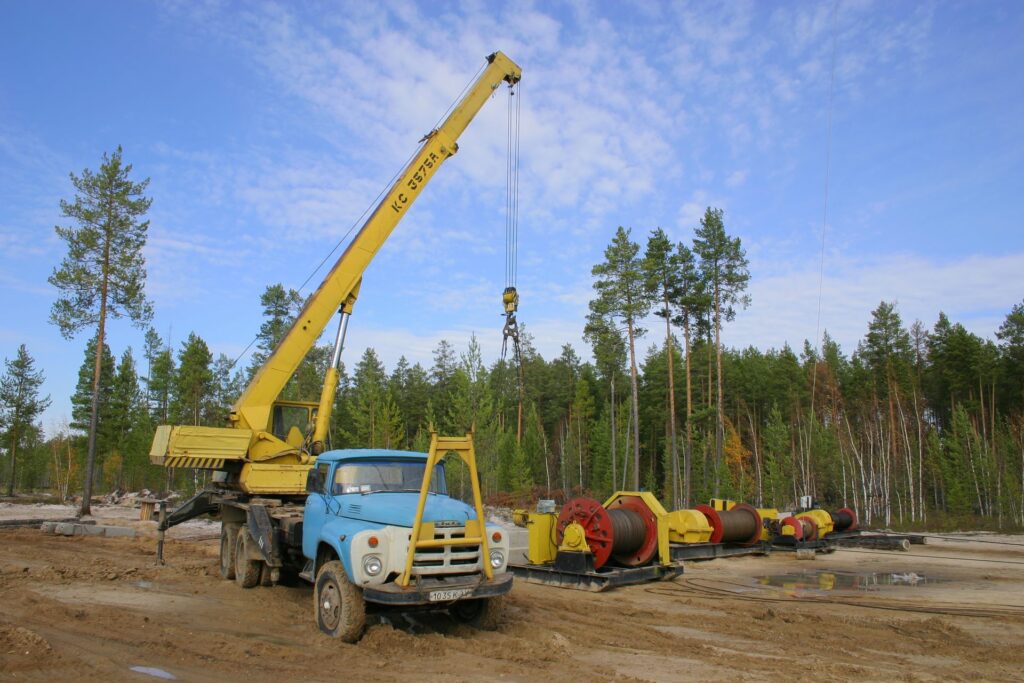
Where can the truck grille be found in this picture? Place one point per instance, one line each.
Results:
(450, 559)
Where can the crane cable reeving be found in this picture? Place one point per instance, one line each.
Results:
(387, 185)
(510, 296)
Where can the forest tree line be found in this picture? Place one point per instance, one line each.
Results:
(918, 424)
(916, 421)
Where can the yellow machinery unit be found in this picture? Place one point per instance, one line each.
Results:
(629, 539)
(632, 538)
(815, 524)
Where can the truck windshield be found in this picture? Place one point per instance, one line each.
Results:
(368, 476)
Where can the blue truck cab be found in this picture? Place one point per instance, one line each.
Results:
(356, 531)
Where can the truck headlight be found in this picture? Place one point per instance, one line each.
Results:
(372, 565)
(497, 558)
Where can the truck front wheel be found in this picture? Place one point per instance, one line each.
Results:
(339, 608)
(482, 613)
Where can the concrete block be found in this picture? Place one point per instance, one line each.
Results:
(65, 529)
(48, 527)
(89, 530)
(115, 531)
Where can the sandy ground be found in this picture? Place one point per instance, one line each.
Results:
(91, 609)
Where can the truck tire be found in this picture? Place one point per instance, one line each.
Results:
(483, 613)
(247, 572)
(266, 575)
(228, 539)
(338, 605)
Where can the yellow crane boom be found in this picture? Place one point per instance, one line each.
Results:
(259, 452)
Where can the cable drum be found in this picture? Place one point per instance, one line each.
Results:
(628, 532)
(844, 519)
(740, 525)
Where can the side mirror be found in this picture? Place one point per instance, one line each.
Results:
(315, 481)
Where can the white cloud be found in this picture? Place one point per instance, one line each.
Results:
(977, 291)
(736, 178)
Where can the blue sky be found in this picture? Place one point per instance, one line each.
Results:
(266, 129)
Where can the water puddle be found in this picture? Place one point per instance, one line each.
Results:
(820, 581)
(155, 672)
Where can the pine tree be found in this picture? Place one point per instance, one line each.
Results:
(610, 354)
(665, 275)
(104, 271)
(622, 295)
(20, 405)
(161, 385)
(125, 398)
(1011, 347)
(724, 269)
(689, 302)
(193, 382)
(411, 388)
(82, 403)
(441, 374)
(280, 306)
(151, 346)
(374, 418)
(227, 387)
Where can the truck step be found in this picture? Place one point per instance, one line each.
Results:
(307, 572)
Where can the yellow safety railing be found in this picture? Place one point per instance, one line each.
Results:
(439, 447)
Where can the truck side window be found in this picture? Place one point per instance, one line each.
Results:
(323, 468)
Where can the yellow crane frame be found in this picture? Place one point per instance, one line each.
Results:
(476, 530)
(270, 464)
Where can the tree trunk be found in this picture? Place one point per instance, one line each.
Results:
(635, 409)
(615, 435)
(672, 407)
(14, 458)
(719, 424)
(90, 459)
(688, 455)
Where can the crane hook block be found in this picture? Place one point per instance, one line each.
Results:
(510, 298)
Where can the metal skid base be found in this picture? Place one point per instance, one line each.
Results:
(710, 551)
(595, 581)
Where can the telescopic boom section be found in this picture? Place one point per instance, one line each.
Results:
(340, 287)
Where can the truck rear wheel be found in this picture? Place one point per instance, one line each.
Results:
(482, 613)
(228, 539)
(247, 572)
(339, 607)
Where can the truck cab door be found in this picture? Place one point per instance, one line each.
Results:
(318, 490)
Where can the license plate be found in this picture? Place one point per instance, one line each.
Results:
(445, 596)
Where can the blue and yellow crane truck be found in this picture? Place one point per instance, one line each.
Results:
(364, 526)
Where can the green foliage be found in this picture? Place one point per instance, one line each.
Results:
(375, 419)
(1011, 347)
(623, 297)
(193, 382)
(104, 272)
(724, 266)
(81, 400)
(20, 405)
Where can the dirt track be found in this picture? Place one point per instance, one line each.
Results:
(89, 609)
